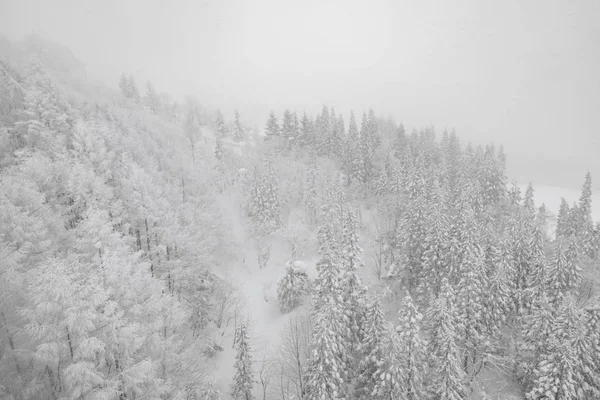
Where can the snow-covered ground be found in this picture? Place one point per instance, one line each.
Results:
(257, 291)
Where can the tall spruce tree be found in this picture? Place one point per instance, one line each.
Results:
(238, 129)
(272, 129)
(412, 349)
(243, 381)
(373, 352)
(448, 378)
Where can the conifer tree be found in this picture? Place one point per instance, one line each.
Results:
(310, 193)
(373, 351)
(287, 127)
(400, 142)
(305, 135)
(537, 333)
(272, 129)
(352, 129)
(341, 130)
(219, 149)
(327, 369)
(555, 374)
(562, 218)
(412, 235)
(564, 273)
(133, 89)
(124, 86)
(448, 376)
(390, 375)
(243, 381)
(325, 376)
(291, 288)
(538, 278)
(434, 257)
(585, 202)
(585, 224)
(238, 129)
(295, 129)
(382, 186)
(152, 99)
(220, 125)
(470, 309)
(498, 302)
(412, 349)
(353, 288)
(588, 349)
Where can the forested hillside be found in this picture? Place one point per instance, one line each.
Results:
(151, 249)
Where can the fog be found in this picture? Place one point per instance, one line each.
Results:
(523, 74)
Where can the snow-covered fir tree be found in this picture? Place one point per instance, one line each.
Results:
(373, 352)
(238, 129)
(412, 350)
(446, 358)
(220, 129)
(292, 287)
(243, 379)
(272, 129)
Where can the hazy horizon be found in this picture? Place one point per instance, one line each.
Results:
(516, 74)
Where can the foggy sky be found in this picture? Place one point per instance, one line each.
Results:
(522, 73)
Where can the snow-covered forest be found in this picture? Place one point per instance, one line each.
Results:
(161, 249)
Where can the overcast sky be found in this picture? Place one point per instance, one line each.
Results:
(522, 73)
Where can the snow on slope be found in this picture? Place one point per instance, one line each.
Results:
(258, 295)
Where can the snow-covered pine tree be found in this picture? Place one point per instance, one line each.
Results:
(446, 358)
(133, 89)
(304, 136)
(373, 352)
(538, 278)
(243, 380)
(220, 129)
(219, 149)
(382, 187)
(353, 289)
(412, 351)
(555, 375)
(287, 127)
(341, 130)
(152, 99)
(272, 129)
(562, 218)
(310, 192)
(435, 249)
(327, 284)
(238, 129)
(325, 375)
(585, 224)
(412, 235)
(564, 273)
(124, 86)
(588, 349)
(295, 129)
(471, 288)
(291, 288)
(536, 333)
(497, 296)
(400, 142)
(389, 377)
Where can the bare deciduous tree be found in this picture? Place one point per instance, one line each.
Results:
(294, 353)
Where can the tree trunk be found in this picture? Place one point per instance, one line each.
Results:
(149, 248)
